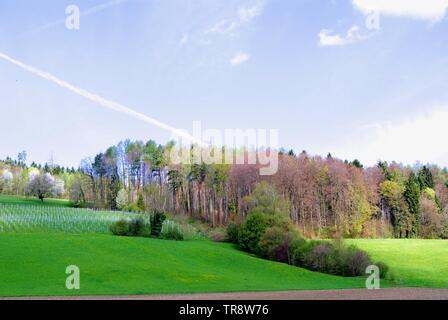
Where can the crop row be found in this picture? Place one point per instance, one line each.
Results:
(22, 218)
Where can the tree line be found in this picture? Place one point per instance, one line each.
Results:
(327, 197)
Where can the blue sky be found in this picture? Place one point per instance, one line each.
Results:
(312, 69)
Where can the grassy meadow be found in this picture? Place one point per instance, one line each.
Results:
(44, 240)
(414, 262)
(34, 264)
(7, 199)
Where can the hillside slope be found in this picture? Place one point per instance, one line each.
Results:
(34, 264)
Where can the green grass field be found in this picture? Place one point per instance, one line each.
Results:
(34, 264)
(7, 199)
(420, 263)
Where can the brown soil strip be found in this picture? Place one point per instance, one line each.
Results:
(355, 294)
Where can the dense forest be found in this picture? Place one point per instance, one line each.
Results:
(326, 197)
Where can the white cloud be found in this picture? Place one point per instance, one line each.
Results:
(239, 58)
(183, 41)
(420, 138)
(248, 13)
(223, 27)
(245, 15)
(327, 38)
(418, 9)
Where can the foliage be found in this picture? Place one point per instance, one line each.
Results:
(431, 219)
(412, 197)
(43, 186)
(322, 196)
(265, 198)
(384, 269)
(267, 210)
(232, 232)
(133, 207)
(120, 228)
(401, 218)
(254, 227)
(140, 203)
(157, 220)
(275, 244)
(353, 261)
(425, 178)
(334, 258)
(444, 228)
(429, 193)
(218, 234)
(318, 257)
(356, 163)
(122, 199)
(139, 227)
(171, 231)
(270, 234)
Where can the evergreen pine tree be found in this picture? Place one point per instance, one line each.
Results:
(412, 197)
(425, 178)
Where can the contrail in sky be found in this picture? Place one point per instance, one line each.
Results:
(102, 101)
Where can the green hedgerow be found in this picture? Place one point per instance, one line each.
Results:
(120, 228)
(134, 228)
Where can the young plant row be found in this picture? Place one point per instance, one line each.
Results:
(22, 218)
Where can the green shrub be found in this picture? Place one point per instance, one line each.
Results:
(355, 261)
(136, 227)
(251, 231)
(384, 269)
(140, 203)
(120, 228)
(269, 233)
(157, 219)
(276, 244)
(256, 224)
(332, 258)
(318, 256)
(444, 226)
(171, 231)
(139, 228)
(133, 207)
(298, 249)
(232, 232)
